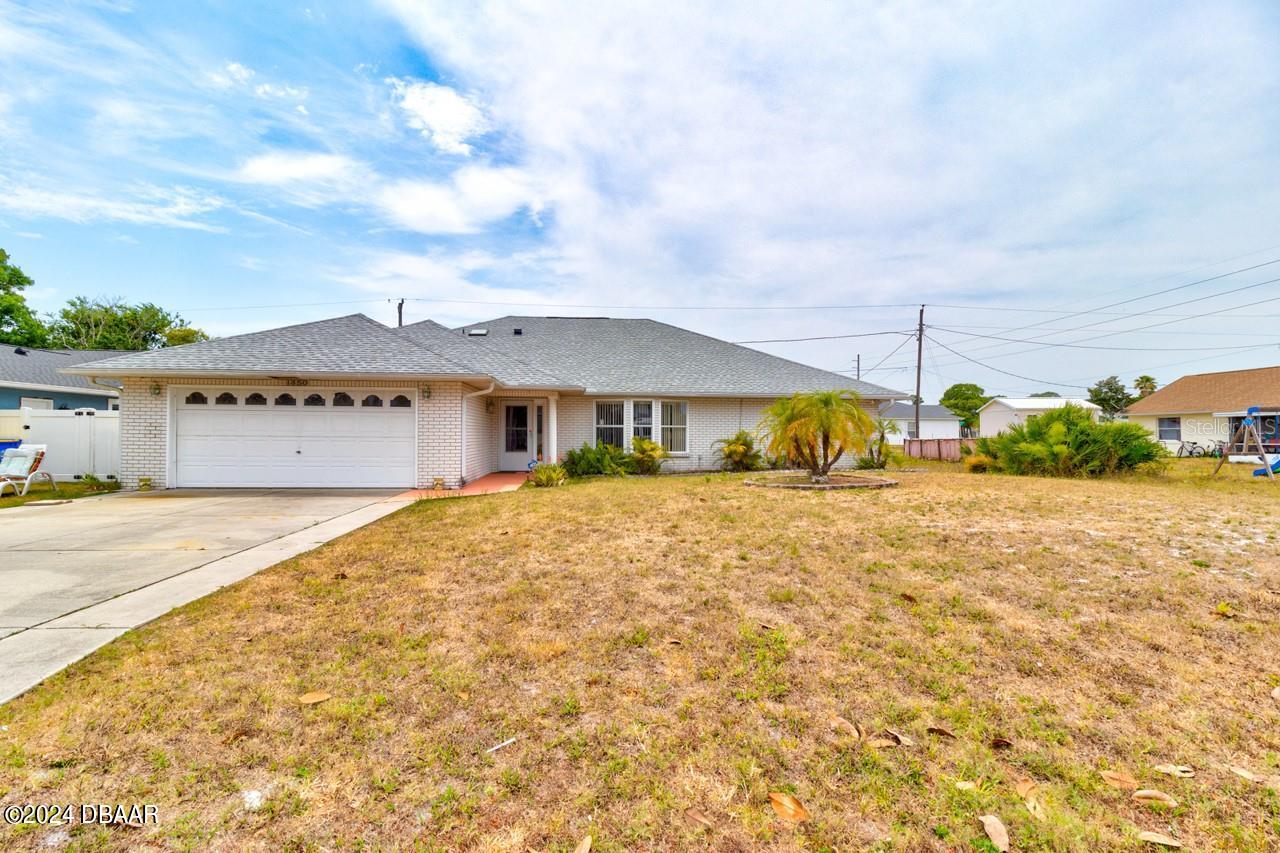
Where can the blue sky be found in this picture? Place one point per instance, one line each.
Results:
(225, 158)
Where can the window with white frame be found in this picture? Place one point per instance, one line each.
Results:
(610, 424)
(1171, 429)
(675, 426)
(642, 419)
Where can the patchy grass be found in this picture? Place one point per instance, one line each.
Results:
(665, 644)
(42, 491)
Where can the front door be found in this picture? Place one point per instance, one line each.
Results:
(515, 449)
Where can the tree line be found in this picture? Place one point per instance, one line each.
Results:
(85, 323)
(1110, 394)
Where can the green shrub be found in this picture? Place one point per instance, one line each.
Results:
(549, 474)
(739, 453)
(647, 456)
(975, 463)
(589, 461)
(1067, 442)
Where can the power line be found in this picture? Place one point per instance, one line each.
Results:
(1006, 372)
(1083, 346)
(821, 338)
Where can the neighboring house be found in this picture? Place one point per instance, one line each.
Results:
(349, 402)
(30, 378)
(1000, 413)
(935, 421)
(1208, 407)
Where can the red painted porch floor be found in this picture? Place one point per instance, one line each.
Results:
(501, 481)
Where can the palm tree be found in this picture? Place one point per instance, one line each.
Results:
(878, 444)
(813, 430)
(1146, 385)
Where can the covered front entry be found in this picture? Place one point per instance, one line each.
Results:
(294, 437)
(519, 435)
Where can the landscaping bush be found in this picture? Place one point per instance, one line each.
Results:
(1067, 442)
(738, 452)
(647, 456)
(974, 463)
(588, 461)
(548, 474)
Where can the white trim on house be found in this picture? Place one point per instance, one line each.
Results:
(59, 389)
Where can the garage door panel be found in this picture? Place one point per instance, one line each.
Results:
(302, 446)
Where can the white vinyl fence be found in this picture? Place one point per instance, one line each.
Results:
(80, 441)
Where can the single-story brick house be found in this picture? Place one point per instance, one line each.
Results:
(349, 402)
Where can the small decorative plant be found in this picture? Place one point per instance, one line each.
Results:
(589, 461)
(739, 453)
(548, 474)
(647, 456)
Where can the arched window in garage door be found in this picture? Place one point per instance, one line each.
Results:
(400, 401)
(313, 400)
(286, 400)
(195, 398)
(342, 398)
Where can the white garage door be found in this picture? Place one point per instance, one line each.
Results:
(301, 437)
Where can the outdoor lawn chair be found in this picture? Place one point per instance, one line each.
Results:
(21, 467)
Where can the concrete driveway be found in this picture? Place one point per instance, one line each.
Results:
(75, 576)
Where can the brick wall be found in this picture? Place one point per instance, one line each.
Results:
(710, 420)
(144, 432)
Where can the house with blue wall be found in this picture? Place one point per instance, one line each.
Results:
(29, 378)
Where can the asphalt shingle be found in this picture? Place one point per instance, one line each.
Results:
(40, 367)
(634, 356)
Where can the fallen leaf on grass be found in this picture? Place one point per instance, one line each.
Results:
(698, 816)
(941, 732)
(315, 697)
(340, 576)
(853, 730)
(1118, 779)
(1001, 743)
(906, 596)
(788, 807)
(996, 832)
(1025, 787)
(584, 846)
(1151, 797)
(1036, 809)
(1275, 694)
(966, 786)
(1157, 838)
(1179, 770)
(898, 738)
(235, 736)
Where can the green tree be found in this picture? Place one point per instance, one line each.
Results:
(964, 399)
(114, 324)
(815, 429)
(1111, 396)
(1046, 394)
(18, 324)
(1145, 385)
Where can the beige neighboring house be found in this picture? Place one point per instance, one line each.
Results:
(1208, 407)
(935, 421)
(349, 402)
(1000, 413)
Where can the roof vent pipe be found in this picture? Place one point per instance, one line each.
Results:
(517, 331)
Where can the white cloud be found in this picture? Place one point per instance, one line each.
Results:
(443, 116)
(472, 198)
(283, 167)
(176, 207)
(230, 75)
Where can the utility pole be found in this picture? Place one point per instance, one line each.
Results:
(400, 313)
(858, 369)
(919, 361)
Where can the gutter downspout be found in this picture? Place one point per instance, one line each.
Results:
(462, 463)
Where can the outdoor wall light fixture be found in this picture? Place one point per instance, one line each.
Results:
(488, 405)
(155, 390)
(426, 392)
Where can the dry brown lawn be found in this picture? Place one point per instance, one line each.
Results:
(647, 647)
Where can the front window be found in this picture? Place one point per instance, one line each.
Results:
(1171, 429)
(675, 426)
(609, 423)
(911, 429)
(642, 419)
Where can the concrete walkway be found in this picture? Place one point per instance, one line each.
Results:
(76, 576)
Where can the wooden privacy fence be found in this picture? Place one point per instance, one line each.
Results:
(945, 449)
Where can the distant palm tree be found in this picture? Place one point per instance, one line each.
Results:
(1146, 385)
(813, 430)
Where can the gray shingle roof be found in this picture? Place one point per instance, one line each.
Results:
(907, 411)
(506, 369)
(598, 355)
(354, 344)
(632, 356)
(40, 367)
